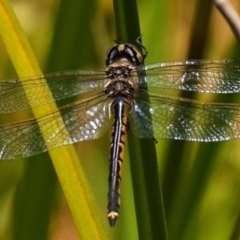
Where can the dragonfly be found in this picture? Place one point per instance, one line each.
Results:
(119, 95)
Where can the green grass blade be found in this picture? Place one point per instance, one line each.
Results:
(146, 183)
(65, 161)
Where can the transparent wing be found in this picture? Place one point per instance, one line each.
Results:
(179, 118)
(62, 84)
(82, 121)
(193, 75)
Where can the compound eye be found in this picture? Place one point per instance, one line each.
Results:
(111, 54)
(128, 51)
(136, 52)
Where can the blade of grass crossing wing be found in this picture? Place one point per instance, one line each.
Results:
(64, 159)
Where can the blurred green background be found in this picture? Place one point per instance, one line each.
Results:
(201, 183)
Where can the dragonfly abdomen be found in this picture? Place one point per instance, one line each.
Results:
(120, 109)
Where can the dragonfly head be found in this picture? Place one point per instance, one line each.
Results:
(127, 51)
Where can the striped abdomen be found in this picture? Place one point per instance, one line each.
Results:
(120, 110)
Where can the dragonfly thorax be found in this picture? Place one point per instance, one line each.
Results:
(119, 71)
(119, 88)
(120, 79)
